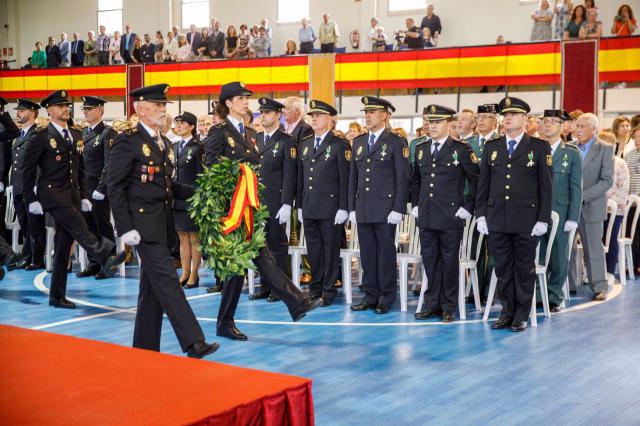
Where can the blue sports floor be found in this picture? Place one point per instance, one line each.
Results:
(580, 367)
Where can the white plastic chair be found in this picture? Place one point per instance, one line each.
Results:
(469, 262)
(405, 259)
(11, 220)
(251, 273)
(347, 255)
(296, 253)
(423, 289)
(625, 240)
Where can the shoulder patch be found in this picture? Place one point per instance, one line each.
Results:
(306, 137)
(405, 152)
(549, 160)
(220, 125)
(40, 129)
(422, 142)
(130, 131)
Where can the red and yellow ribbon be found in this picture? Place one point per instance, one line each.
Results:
(245, 199)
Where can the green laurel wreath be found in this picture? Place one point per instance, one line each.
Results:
(230, 254)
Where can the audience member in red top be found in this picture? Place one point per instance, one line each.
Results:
(623, 23)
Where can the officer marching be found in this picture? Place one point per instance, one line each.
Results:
(567, 202)
(513, 207)
(378, 189)
(442, 168)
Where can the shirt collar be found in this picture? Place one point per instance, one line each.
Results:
(92, 128)
(270, 134)
(60, 129)
(487, 136)
(465, 137)
(187, 139)
(517, 138)
(322, 136)
(378, 133)
(26, 129)
(555, 146)
(235, 122)
(289, 127)
(441, 141)
(149, 130)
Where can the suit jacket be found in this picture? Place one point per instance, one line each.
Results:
(218, 44)
(123, 43)
(194, 41)
(18, 150)
(65, 52)
(278, 170)
(301, 131)
(96, 157)
(515, 193)
(224, 140)
(8, 132)
(53, 56)
(378, 180)
(597, 178)
(77, 52)
(567, 183)
(148, 53)
(188, 167)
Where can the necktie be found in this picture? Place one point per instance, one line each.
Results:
(436, 148)
(512, 145)
(372, 140)
(21, 134)
(182, 144)
(266, 139)
(65, 134)
(126, 42)
(317, 144)
(241, 127)
(482, 141)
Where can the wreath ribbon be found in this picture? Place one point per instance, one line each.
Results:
(245, 199)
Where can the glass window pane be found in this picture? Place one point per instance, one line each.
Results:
(111, 19)
(401, 5)
(292, 10)
(109, 4)
(195, 13)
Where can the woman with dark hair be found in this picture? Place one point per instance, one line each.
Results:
(621, 128)
(231, 43)
(578, 19)
(623, 23)
(188, 165)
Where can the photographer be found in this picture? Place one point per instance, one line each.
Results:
(413, 36)
(623, 23)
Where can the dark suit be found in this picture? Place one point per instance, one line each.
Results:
(438, 189)
(301, 131)
(513, 194)
(77, 53)
(142, 201)
(194, 41)
(218, 45)
(127, 53)
(378, 185)
(53, 56)
(148, 53)
(8, 132)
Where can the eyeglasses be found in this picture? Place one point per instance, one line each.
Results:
(551, 121)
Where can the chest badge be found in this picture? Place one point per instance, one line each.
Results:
(384, 151)
(327, 154)
(97, 142)
(359, 150)
(189, 154)
(80, 146)
(275, 149)
(306, 149)
(53, 143)
(455, 158)
(564, 161)
(530, 157)
(494, 155)
(420, 154)
(146, 151)
(231, 142)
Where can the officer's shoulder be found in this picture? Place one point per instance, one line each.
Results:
(422, 140)
(306, 138)
(40, 130)
(459, 141)
(538, 140)
(218, 126)
(494, 140)
(362, 137)
(571, 147)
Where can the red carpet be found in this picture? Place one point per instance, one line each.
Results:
(51, 379)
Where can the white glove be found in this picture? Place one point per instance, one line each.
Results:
(1, 187)
(463, 214)
(481, 226)
(284, 214)
(99, 196)
(85, 205)
(539, 229)
(300, 215)
(9, 188)
(131, 238)
(35, 189)
(414, 212)
(35, 208)
(570, 226)
(352, 217)
(341, 217)
(394, 218)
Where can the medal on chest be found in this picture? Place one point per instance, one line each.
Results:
(359, 150)
(420, 154)
(275, 149)
(97, 142)
(455, 158)
(565, 163)
(327, 154)
(530, 157)
(384, 151)
(189, 154)
(80, 146)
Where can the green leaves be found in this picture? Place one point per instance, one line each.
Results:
(228, 254)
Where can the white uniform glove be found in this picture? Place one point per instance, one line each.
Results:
(98, 196)
(300, 215)
(1, 187)
(35, 208)
(284, 214)
(341, 217)
(9, 188)
(85, 205)
(463, 214)
(131, 238)
(539, 229)
(481, 226)
(570, 226)
(352, 217)
(394, 218)
(414, 212)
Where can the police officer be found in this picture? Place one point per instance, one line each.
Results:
(98, 138)
(378, 189)
(8, 131)
(442, 168)
(513, 207)
(56, 152)
(32, 226)
(231, 139)
(141, 194)
(278, 173)
(567, 201)
(322, 199)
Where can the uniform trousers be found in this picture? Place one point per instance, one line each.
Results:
(378, 257)
(33, 232)
(441, 259)
(323, 249)
(99, 221)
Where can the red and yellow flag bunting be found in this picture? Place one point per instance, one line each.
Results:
(245, 199)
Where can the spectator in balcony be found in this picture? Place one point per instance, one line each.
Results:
(623, 23)
(127, 44)
(65, 51)
(380, 40)
(290, 48)
(593, 27)
(500, 39)
(372, 33)
(114, 49)
(206, 44)
(231, 43)
(562, 10)
(170, 48)
(261, 44)
(183, 53)
(413, 35)
(137, 50)
(590, 4)
(578, 19)
(243, 42)
(542, 18)
(329, 34)
(38, 57)
(432, 22)
(176, 32)
(621, 129)
(428, 40)
(216, 49)
(77, 51)
(90, 50)
(102, 44)
(148, 50)
(193, 39)
(159, 47)
(265, 23)
(306, 36)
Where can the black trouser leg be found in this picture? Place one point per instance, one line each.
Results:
(449, 254)
(38, 235)
(71, 220)
(316, 255)
(278, 246)
(525, 273)
(278, 281)
(369, 260)
(386, 253)
(330, 235)
(501, 247)
(63, 242)
(229, 301)
(22, 214)
(430, 251)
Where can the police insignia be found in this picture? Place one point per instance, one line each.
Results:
(313, 104)
(242, 85)
(474, 158)
(420, 154)
(53, 143)
(166, 89)
(146, 150)
(549, 160)
(231, 142)
(306, 149)
(347, 155)
(359, 150)
(64, 94)
(507, 102)
(433, 109)
(494, 155)
(405, 152)
(366, 100)
(294, 153)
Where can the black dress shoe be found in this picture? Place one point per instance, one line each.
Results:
(517, 326)
(184, 281)
(382, 309)
(426, 314)
(201, 349)
(196, 284)
(89, 271)
(362, 307)
(307, 306)
(61, 303)
(448, 316)
(260, 296)
(502, 323)
(34, 267)
(109, 267)
(215, 289)
(555, 308)
(231, 333)
(325, 301)
(99, 276)
(272, 298)
(20, 264)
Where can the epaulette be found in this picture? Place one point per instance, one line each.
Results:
(220, 125)
(40, 129)
(424, 139)
(570, 145)
(130, 131)
(306, 137)
(538, 139)
(77, 128)
(460, 141)
(493, 140)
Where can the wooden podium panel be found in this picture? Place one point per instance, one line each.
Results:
(322, 77)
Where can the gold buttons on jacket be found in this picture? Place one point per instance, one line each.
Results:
(508, 166)
(506, 197)
(141, 210)
(506, 187)
(508, 176)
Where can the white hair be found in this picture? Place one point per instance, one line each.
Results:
(592, 120)
(136, 105)
(294, 103)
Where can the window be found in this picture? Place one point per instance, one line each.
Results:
(110, 15)
(404, 5)
(195, 12)
(292, 10)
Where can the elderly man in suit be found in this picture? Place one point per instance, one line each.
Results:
(65, 50)
(127, 44)
(597, 178)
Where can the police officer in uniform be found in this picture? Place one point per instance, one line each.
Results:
(378, 189)
(98, 138)
(322, 199)
(231, 139)
(56, 152)
(141, 194)
(513, 207)
(442, 168)
(567, 202)
(278, 173)
(32, 226)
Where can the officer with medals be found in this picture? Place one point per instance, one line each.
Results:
(141, 194)
(32, 226)
(322, 199)
(55, 152)
(278, 172)
(567, 201)
(378, 190)
(230, 139)
(98, 138)
(513, 207)
(442, 168)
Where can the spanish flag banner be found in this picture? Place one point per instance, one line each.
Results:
(245, 199)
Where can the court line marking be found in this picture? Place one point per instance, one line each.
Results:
(38, 282)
